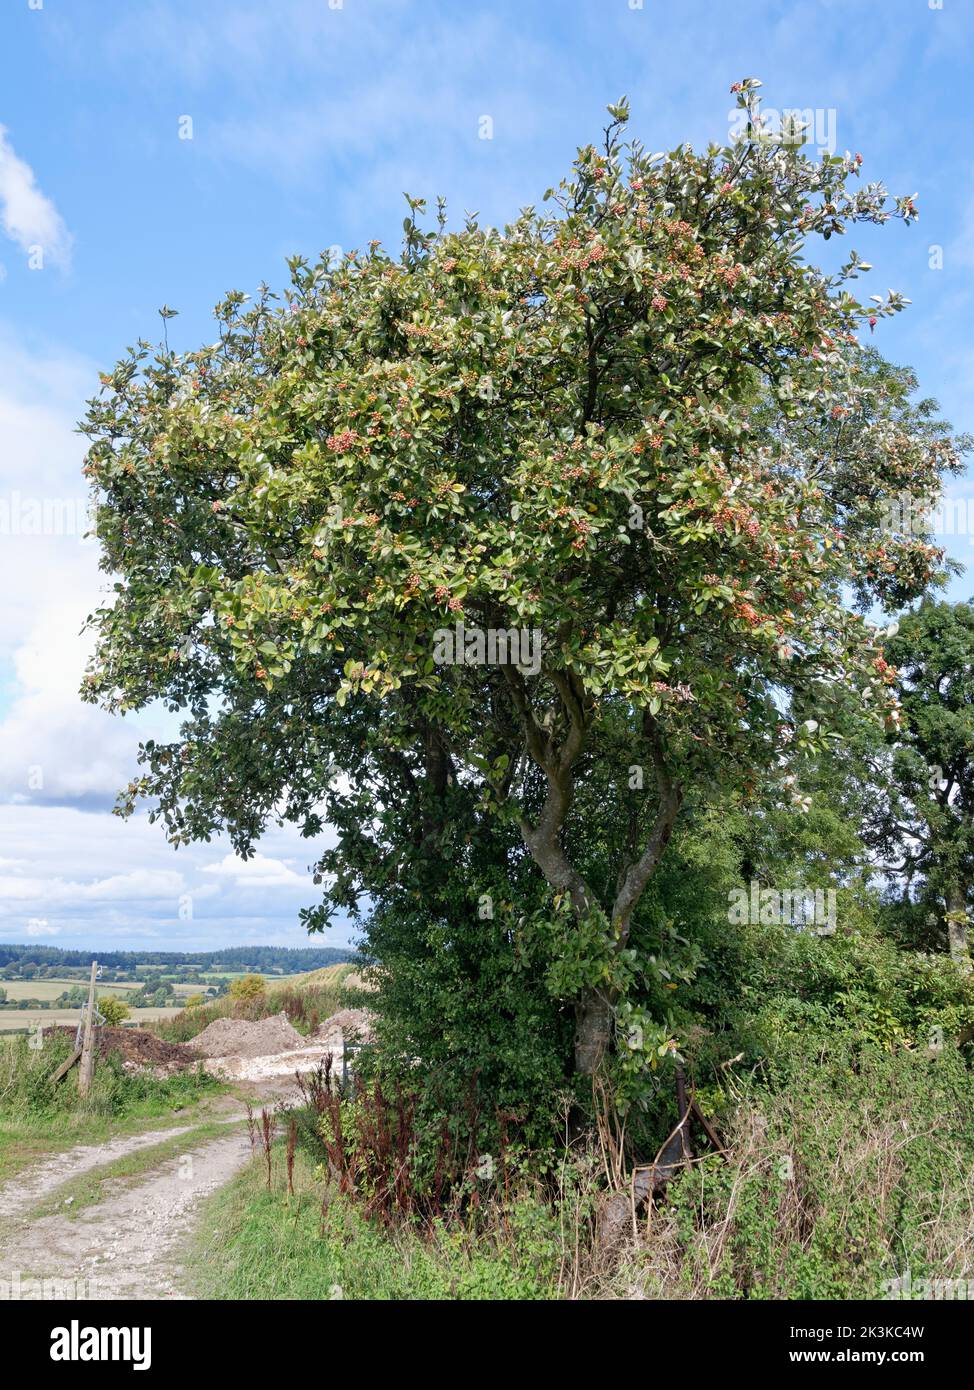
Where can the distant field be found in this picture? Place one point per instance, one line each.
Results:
(239, 975)
(24, 1018)
(322, 973)
(50, 989)
(327, 975)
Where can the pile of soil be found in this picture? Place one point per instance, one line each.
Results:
(237, 1037)
(348, 1025)
(139, 1048)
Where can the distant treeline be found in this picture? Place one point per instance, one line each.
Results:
(282, 959)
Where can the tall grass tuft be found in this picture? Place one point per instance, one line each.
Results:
(292, 1143)
(267, 1137)
(26, 1087)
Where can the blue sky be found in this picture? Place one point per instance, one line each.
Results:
(309, 118)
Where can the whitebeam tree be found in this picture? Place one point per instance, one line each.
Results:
(638, 429)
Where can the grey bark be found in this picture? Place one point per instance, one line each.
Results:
(957, 925)
(594, 1013)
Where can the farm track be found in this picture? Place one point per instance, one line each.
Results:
(127, 1244)
(28, 1188)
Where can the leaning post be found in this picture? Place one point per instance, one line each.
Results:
(87, 1067)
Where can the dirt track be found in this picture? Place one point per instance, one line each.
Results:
(125, 1245)
(24, 1191)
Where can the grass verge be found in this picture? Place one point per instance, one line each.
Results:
(38, 1118)
(252, 1243)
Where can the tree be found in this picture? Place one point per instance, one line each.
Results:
(112, 1010)
(248, 987)
(518, 538)
(194, 1001)
(924, 826)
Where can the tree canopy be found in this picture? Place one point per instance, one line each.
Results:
(924, 821)
(635, 430)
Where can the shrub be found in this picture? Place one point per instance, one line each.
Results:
(112, 1010)
(248, 988)
(305, 1005)
(257, 1246)
(856, 1170)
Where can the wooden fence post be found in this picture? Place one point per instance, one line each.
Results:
(87, 1067)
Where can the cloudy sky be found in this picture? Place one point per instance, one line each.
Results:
(165, 151)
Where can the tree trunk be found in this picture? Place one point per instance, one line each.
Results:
(593, 1031)
(594, 1013)
(957, 924)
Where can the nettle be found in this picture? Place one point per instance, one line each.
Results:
(640, 425)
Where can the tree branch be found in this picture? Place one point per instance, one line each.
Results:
(670, 801)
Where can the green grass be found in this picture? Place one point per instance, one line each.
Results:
(26, 1138)
(71, 1198)
(38, 1118)
(255, 1244)
(856, 1167)
(846, 1165)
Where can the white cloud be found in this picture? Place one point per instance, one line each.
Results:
(87, 875)
(28, 217)
(53, 748)
(39, 926)
(97, 880)
(138, 885)
(257, 872)
(42, 395)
